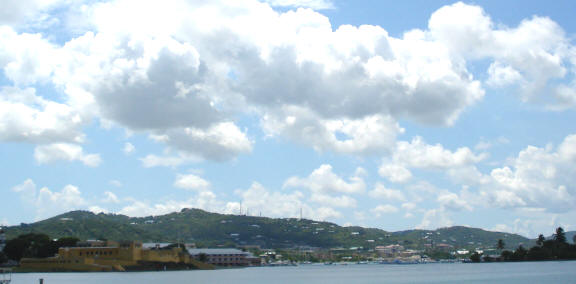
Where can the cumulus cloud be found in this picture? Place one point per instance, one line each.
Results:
(368, 77)
(128, 148)
(150, 161)
(395, 173)
(47, 203)
(110, 197)
(27, 117)
(537, 178)
(191, 182)
(333, 201)
(183, 72)
(380, 191)
(418, 154)
(459, 164)
(367, 136)
(383, 210)
(452, 201)
(220, 142)
(531, 56)
(325, 180)
(65, 152)
(270, 203)
(143, 208)
(22, 10)
(435, 218)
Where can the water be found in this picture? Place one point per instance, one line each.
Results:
(525, 272)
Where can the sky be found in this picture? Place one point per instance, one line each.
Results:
(388, 114)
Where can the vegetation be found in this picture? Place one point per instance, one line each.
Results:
(35, 245)
(220, 230)
(555, 248)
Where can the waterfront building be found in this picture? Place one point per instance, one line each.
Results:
(224, 256)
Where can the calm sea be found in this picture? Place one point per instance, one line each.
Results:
(525, 272)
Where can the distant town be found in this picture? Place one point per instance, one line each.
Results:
(57, 244)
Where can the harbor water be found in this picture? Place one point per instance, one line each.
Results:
(520, 272)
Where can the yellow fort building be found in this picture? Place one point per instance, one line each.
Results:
(113, 256)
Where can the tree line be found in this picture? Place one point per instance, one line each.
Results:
(34, 245)
(556, 248)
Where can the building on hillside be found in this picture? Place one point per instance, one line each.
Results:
(112, 257)
(224, 257)
(389, 251)
(444, 247)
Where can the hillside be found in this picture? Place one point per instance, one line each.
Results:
(213, 229)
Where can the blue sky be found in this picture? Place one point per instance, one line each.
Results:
(387, 114)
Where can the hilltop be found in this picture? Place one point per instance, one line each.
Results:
(213, 229)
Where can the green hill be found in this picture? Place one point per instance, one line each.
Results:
(213, 229)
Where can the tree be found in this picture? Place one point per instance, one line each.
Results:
(203, 257)
(520, 253)
(35, 245)
(28, 245)
(560, 236)
(500, 245)
(541, 240)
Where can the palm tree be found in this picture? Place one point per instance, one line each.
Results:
(500, 244)
(560, 236)
(540, 240)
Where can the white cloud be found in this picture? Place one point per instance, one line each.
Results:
(324, 180)
(537, 177)
(500, 75)
(532, 55)
(452, 201)
(435, 218)
(150, 161)
(22, 10)
(326, 213)
(395, 173)
(333, 201)
(191, 182)
(184, 70)
(408, 206)
(110, 197)
(220, 142)
(142, 208)
(271, 203)
(418, 154)
(47, 203)
(313, 4)
(380, 191)
(65, 152)
(115, 183)
(367, 136)
(128, 148)
(27, 117)
(380, 210)
(468, 175)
